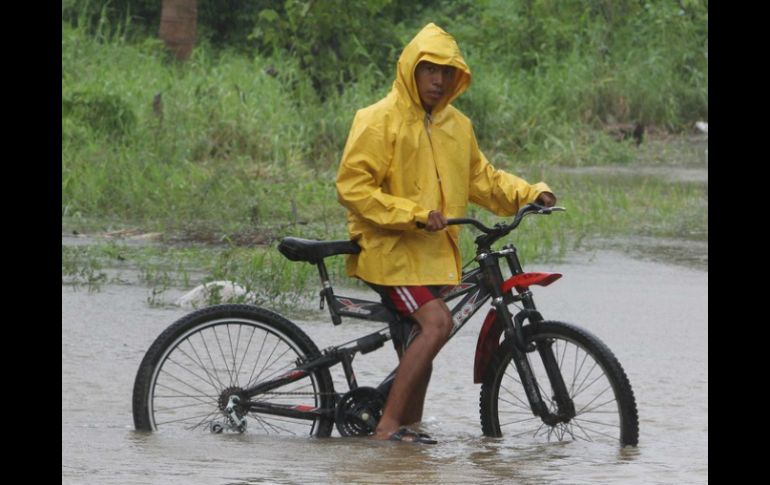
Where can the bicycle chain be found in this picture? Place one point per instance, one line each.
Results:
(301, 393)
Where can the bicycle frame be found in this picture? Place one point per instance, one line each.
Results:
(477, 286)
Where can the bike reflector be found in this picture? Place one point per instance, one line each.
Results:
(524, 280)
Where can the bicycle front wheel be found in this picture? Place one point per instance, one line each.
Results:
(604, 401)
(192, 369)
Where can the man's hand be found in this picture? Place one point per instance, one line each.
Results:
(436, 221)
(546, 199)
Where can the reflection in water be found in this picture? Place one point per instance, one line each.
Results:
(654, 317)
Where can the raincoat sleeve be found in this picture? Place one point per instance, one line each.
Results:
(497, 190)
(360, 176)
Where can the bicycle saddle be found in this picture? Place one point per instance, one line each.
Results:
(297, 249)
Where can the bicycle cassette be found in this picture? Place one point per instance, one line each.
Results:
(358, 412)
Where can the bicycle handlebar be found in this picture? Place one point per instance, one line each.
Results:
(501, 230)
(527, 209)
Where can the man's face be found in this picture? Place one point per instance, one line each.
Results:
(433, 81)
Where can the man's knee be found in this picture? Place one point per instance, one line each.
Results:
(445, 326)
(435, 320)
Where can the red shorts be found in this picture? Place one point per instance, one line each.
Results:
(408, 299)
(405, 300)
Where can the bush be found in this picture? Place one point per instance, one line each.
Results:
(235, 129)
(105, 114)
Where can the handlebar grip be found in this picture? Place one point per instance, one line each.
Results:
(458, 221)
(449, 222)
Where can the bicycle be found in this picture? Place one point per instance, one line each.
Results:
(225, 366)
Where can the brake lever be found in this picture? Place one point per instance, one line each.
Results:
(461, 220)
(556, 209)
(541, 209)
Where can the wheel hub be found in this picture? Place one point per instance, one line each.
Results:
(224, 400)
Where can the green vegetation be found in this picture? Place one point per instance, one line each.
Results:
(239, 145)
(270, 278)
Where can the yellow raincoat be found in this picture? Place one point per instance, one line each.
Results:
(399, 163)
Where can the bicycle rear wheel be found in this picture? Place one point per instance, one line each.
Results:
(188, 374)
(596, 382)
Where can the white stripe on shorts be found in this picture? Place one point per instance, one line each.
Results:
(407, 298)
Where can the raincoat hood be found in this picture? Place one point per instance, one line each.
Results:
(435, 45)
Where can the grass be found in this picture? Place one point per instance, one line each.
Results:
(603, 206)
(227, 153)
(208, 140)
(268, 276)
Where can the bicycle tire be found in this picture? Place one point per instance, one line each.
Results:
(575, 348)
(196, 352)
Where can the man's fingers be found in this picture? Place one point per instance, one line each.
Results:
(436, 221)
(546, 199)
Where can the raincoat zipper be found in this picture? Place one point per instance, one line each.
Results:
(427, 122)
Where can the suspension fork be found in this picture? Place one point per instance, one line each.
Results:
(514, 331)
(493, 280)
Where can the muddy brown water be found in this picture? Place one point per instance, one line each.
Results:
(653, 316)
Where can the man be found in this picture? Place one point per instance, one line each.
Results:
(413, 158)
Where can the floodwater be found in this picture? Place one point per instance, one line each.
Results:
(653, 316)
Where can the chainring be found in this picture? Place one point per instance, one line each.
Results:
(358, 412)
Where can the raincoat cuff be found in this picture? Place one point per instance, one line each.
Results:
(421, 216)
(539, 188)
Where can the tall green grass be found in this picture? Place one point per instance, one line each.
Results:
(231, 130)
(233, 147)
(238, 140)
(597, 207)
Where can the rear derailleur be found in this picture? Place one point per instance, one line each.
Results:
(233, 416)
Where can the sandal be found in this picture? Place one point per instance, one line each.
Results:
(410, 436)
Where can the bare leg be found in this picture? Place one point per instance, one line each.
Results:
(414, 408)
(414, 369)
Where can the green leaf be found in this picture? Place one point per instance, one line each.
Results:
(268, 15)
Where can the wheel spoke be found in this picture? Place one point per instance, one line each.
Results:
(183, 406)
(531, 418)
(182, 367)
(515, 396)
(275, 427)
(256, 361)
(592, 380)
(586, 409)
(199, 363)
(585, 430)
(222, 353)
(211, 359)
(267, 364)
(246, 350)
(583, 386)
(165, 386)
(528, 431)
(205, 363)
(188, 418)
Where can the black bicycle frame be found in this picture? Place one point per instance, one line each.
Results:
(476, 287)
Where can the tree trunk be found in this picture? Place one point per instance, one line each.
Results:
(178, 19)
